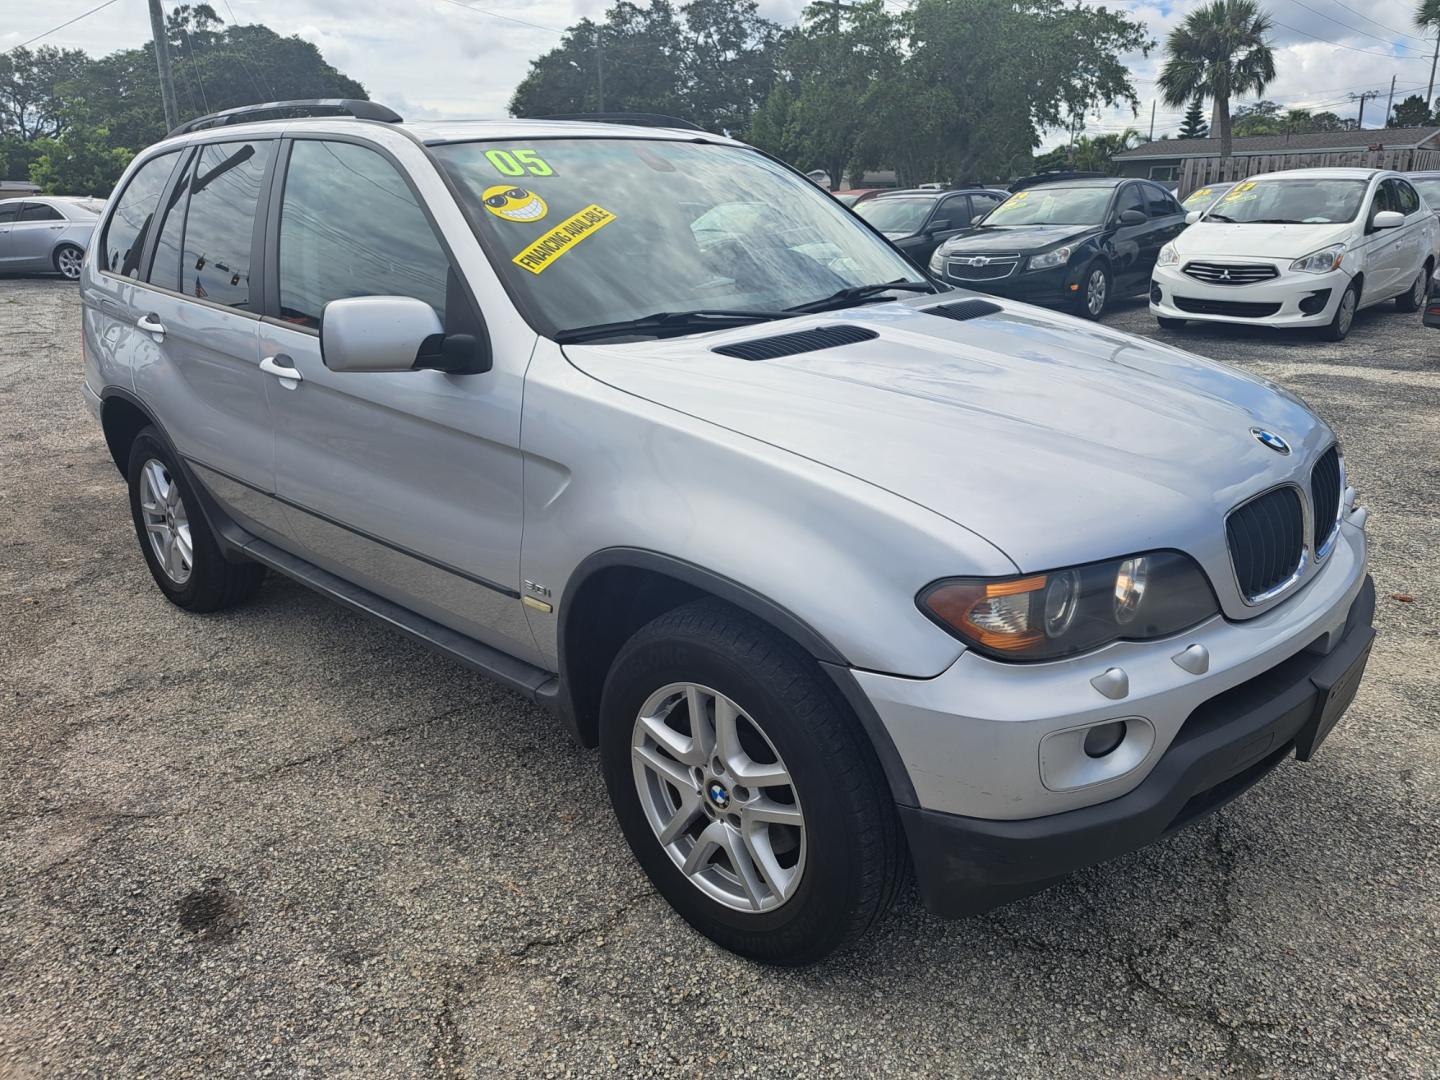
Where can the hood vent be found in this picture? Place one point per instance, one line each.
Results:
(821, 337)
(965, 309)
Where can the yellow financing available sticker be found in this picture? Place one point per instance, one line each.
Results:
(562, 238)
(1238, 190)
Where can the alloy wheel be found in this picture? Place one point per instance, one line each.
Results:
(68, 261)
(718, 797)
(166, 522)
(1095, 292)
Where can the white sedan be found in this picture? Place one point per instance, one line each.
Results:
(1308, 247)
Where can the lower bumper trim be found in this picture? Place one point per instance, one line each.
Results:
(968, 865)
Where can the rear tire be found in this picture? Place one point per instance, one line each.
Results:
(1414, 298)
(1344, 318)
(1170, 324)
(67, 260)
(184, 558)
(838, 861)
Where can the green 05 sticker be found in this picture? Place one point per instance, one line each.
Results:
(519, 163)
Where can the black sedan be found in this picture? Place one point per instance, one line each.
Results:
(1078, 243)
(917, 221)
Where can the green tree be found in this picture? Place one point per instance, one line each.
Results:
(1220, 51)
(1412, 112)
(82, 161)
(1095, 153)
(1194, 125)
(33, 89)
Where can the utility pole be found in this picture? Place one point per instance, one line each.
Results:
(1430, 93)
(1360, 120)
(162, 60)
(599, 65)
(1152, 121)
(1389, 102)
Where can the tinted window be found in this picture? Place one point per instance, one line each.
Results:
(127, 228)
(1129, 199)
(40, 212)
(221, 220)
(1409, 201)
(1159, 202)
(349, 226)
(8, 212)
(956, 210)
(165, 266)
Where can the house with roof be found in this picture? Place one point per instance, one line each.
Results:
(1193, 163)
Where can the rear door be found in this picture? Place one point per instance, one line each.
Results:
(199, 313)
(406, 483)
(1418, 240)
(1388, 261)
(33, 235)
(1167, 221)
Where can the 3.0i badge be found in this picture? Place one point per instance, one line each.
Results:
(1270, 439)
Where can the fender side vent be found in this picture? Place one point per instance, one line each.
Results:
(965, 309)
(822, 337)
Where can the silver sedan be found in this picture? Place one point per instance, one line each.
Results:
(47, 234)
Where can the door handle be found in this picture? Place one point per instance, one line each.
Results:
(286, 372)
(151, 324)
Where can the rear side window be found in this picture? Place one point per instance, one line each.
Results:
(349, 226)
(125, 232)
(40, 212)
(224, 192)
(1159, 202)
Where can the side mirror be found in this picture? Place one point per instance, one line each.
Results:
(938, 225)
(1133, 217)
(1388, 219)
(1192, 217)
(395, 333)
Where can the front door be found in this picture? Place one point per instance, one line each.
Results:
(1128, 243)
(408, 484)
(9, 211)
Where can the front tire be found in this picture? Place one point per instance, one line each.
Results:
(181, 551)
(1095, 292)
(745, 788)
(67, 260)
(1414, 298)
(1344, 317)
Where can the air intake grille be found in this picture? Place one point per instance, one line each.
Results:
(1238, 308)
(1266, 538)
(1325, 494)
(1230, 273)
(822, 337)
(965, 309)
(980, 267)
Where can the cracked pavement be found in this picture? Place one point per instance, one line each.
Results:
(284, 840)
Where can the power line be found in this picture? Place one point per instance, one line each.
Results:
(507, 18)
(1352, 48)
(69, 22)
(1377, 22)
(1355, 29)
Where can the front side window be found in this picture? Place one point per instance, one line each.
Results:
(349, 226)
(588, 231)
(1054, 206)
(1298, 201)
(125, 232)
(224, 193)
(9, 212)
(40, 212)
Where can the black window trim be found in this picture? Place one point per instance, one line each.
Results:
(273, 199)
(103, 233)
(27, 203)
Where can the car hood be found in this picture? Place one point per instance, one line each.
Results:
(1259, 241)
(1057, 440)
(1017, 237)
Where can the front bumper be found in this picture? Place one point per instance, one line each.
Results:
(1052, 286)
(966, 865)
(1291, 299)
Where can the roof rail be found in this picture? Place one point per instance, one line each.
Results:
(638, 119)
(284, 110)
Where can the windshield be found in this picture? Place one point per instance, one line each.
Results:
(1053, 206)
(589, 231)
(1199, 200)
(1429, 188)
(1290, 202)
(901, 216)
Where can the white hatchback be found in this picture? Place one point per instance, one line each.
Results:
(1307, 247)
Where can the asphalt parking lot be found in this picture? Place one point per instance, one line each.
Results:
(284, 840)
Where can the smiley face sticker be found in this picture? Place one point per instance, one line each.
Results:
(514, 203)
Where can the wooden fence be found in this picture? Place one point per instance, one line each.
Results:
(1197, 172)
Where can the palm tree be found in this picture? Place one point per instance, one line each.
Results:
(1219, 51)
(1095, 153)
(1427, 17)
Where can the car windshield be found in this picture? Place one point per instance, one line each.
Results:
(902, 216)
(1302, 201)
(1429, 188)
(1203, 197)
(1053, 206)
(591, 231)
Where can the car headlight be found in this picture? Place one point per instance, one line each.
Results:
(937, 262)
(1064, 612)
(1168, 256)
(1059, 257)
(1320, 262)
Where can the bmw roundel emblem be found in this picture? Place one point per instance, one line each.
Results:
(1270, 439)
(718, 794)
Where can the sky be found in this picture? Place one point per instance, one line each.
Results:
(432, 59)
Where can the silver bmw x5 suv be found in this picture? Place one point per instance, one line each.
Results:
(845, 572)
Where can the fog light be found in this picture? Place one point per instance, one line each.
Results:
(1104, 739)
(1155, 295)
(1315, 303)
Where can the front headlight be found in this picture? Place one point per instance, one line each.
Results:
(1320, 262)
(1059, 257)
(937, 263)
(1168, 256)
(1064, 612)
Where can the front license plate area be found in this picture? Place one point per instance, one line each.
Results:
(1330, 705)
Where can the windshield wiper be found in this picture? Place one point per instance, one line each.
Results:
(1212, 216)
(1274, 221)
(667, 322)
(862, 292)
